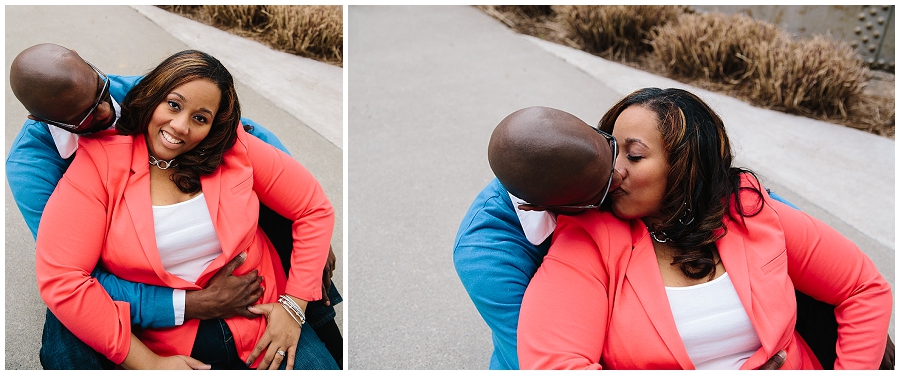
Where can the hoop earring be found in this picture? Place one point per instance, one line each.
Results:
(687, 214)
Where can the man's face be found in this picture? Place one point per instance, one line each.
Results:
(86, 107)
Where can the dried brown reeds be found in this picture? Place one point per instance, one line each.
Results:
(616, 32)
(314, 31)
(712, 46)
(818, 77)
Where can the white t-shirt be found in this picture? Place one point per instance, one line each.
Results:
(713, 324)
(187, 243)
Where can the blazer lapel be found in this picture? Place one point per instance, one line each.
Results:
(738, 252)
(218, 213)
(644, 276)
(139, 206)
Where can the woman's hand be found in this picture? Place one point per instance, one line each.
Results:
(140, 357)
(282, 333)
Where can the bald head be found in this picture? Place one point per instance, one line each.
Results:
(549, 157)
(53, 82)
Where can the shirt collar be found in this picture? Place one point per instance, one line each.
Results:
(67, 143)
(537, 225)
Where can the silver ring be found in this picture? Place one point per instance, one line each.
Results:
(280, 352)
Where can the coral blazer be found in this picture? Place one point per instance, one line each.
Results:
(101, 212)
(598, 300)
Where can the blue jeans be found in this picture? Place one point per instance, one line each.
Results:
(215, 346)
(62, 350)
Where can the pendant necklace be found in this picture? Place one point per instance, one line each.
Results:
(162, 164)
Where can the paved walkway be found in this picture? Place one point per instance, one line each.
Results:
(427, 85)
(131, 41)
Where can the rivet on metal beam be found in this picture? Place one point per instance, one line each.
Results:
(868, 25)
(873, 11)
(871, 48)
(881, 20)
(876, 34)
(862, 16)
(865, 38)
(857, 30)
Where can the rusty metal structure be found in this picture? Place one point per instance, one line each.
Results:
(867, 28)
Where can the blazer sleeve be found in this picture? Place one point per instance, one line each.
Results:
(827, 266)
(69, 242)
(290, 190)
(565, 309)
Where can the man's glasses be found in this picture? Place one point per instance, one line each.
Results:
(90, 113)
(566, 209)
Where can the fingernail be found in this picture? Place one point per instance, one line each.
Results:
(782, 354)
(243, 255)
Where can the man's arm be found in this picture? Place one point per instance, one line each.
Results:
(495, 263)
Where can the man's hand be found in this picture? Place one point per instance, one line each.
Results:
(226, 295)
(326, 276)
(775, 362)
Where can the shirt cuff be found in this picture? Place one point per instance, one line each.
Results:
(178, 305)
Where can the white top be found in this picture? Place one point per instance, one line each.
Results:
(67, 143)
(713, 324)
(186, 241)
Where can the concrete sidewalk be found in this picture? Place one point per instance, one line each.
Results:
(132, 40)
(428, 85)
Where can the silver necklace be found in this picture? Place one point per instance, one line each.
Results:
(162, 164)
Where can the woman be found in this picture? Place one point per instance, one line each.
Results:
(168, 202)
(697, 268)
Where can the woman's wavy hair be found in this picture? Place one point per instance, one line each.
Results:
(174, 71)
(701, 178)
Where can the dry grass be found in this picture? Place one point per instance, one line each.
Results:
(733, 54)
(311, 31)
(712, 47)
(616, 32)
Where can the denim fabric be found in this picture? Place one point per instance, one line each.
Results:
(318, 314)
(215, 346)
(62, 350)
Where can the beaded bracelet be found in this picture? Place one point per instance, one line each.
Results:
(292, 315)
(292, 308)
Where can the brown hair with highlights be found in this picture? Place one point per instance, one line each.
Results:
(701, 179)
(174, 71)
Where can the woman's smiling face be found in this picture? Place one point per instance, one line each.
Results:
(183, 119)
(642, 164)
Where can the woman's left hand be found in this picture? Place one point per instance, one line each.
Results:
(282, 333)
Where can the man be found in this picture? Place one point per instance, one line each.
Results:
(547, 162)
(499, 247)
(67, 97)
